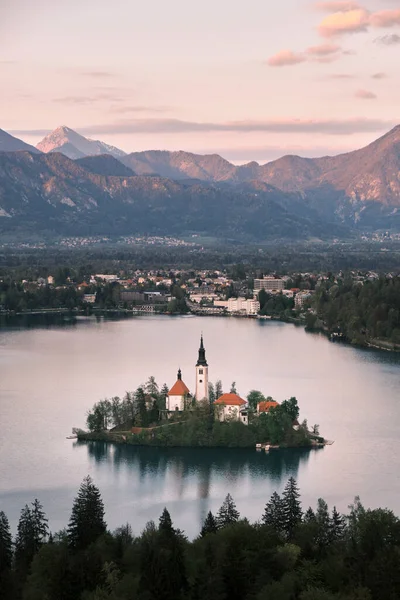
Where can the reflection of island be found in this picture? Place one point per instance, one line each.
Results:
(204, 464)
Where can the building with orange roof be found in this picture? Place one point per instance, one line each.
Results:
(179, 395)
(266, 406)
(231, 407)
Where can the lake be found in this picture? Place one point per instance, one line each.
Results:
(51, 375)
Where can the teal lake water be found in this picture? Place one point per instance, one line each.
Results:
(51, 375)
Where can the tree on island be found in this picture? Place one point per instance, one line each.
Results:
(233, 388)
(151, 386)
(218, 389)
(254, 397)
(228, 512)
(87, 518)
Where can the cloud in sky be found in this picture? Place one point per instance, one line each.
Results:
(98, 74)
(323, 50)
(176, 126)
(337, 5)
(342, 76)
(385, 18)
(356, 20)
(388, 40)
(380, 75)
(350, 21)
(322, 53)
(87, 99)
(286, 58)
(365, 95)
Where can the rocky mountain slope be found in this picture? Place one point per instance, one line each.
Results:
(72, 144)
(52, 194)
(9, 143)
(369, 174)
(106, 165)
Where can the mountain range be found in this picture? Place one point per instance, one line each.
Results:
(71, 185)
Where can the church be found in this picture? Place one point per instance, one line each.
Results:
(227, 407)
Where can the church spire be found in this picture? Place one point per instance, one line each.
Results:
(201, 362)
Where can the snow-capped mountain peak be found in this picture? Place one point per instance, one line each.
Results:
(72, 144)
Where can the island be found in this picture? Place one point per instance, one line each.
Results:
(175, 417)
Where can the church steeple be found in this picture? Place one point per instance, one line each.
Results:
(202, 374)
(201, 362)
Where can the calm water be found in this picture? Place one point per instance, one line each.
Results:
(50, 377)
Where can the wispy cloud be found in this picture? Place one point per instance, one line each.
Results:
(139, 109)
(98, 74)
(342, 76)
(365, 95)
(337, 5)
(385, 18)
(388, 40)
(286, 58)
(87, 99)
(379, 76)
(326, 126)
(322, 53)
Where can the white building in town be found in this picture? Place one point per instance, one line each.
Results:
(269, 284)
(239, 305)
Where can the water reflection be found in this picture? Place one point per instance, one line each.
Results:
(202, 466)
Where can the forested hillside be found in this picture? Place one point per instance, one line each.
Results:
(360, 311)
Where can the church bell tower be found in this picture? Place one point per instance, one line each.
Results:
(202, 374)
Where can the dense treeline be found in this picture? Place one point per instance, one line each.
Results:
(360, 311)
(289, 554)
(212, 254)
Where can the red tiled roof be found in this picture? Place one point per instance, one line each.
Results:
(267, 405)
(230, 400)
(178, 389)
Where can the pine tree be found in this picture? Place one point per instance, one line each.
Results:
(218, 389)
(292, 513)
(32, 532)
(233, 388)
(5, 551)
(273, 513)
(337, 526)
(309, 516)
(165, 523)
(323, 523)
(209, 525)
(87, 519)
(211, 393)
(228, 512)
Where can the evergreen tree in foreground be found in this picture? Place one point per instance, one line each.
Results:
(32, 532)
(292, 513)
(87, 519)
(209, 526)
(5, 551)
(273, 513)
(337, 526)
(228, 512)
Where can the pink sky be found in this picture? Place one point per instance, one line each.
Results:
(250, 81)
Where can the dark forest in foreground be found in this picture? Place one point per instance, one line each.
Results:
(289, 554)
